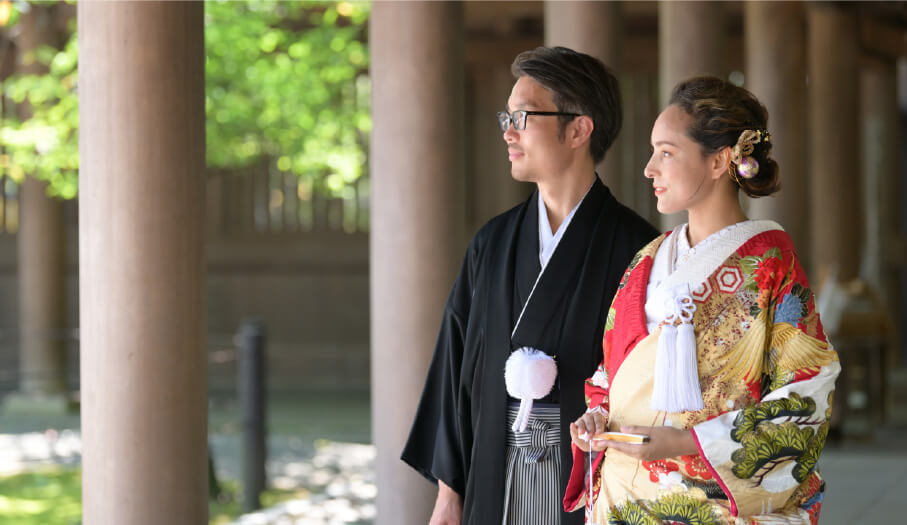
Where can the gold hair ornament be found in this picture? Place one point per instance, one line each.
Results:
(742, 162)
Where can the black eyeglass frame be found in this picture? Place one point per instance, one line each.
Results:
(505, 118)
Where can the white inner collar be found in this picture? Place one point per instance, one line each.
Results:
(684, 252)
(548, 241)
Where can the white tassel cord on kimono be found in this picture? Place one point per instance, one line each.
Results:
(676, 383)
(529, 375)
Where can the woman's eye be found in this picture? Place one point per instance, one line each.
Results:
(665, 154)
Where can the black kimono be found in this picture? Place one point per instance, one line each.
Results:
(459, 432)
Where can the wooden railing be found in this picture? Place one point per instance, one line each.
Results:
(264, 200)
(259, 200)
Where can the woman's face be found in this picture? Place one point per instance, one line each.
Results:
(679, 171)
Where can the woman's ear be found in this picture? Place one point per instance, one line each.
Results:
(721, 161)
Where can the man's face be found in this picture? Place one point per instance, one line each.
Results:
(537, 152)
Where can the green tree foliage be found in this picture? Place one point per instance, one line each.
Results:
(286, 82)
(46, 144)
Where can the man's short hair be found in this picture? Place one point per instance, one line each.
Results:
(580, 84)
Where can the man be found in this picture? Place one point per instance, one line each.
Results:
(541, 275)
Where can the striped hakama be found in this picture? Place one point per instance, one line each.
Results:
(531, 491)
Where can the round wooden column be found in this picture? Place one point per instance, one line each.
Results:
(416, 242)
(691, 41)
(881, 167)
(42, 299)
(142, 300)
(775, 53)
(41, 264)
(594, 28)
(835, 202)
(490, 188)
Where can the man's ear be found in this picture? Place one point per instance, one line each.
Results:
(720, 163)
(580, 130)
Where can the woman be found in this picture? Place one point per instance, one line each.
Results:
(713, 348)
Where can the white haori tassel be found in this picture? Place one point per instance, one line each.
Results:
(676, 381)
(529, 375)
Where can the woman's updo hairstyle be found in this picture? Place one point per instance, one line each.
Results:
(721, 113)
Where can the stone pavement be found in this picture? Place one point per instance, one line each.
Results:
(863, 486)
(340, 478)
(20, 452)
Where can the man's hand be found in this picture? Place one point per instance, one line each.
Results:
(591, 423)
(448, 507)
(664, 442)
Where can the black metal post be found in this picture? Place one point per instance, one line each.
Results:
(252, 405)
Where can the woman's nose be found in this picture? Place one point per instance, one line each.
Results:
(648, 172)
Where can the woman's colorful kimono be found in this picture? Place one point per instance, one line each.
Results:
(767, 376)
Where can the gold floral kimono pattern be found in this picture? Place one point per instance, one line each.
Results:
(767, 375)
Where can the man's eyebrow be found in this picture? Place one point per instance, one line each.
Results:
(522, 104)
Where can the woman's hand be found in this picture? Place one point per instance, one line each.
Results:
(664, 442)
(591, 423)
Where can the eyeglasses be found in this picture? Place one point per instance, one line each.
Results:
(518, 118)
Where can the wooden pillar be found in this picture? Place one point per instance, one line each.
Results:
(775, 56)
(835, 202)
(42, 299)
(416, 242)
(880, 137)
(41, 265)
(594, 28)
(491, 190)
(899, 246)
(691, 41)
(141, 227)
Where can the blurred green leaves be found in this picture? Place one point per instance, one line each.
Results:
(286, 82)
(46, 144)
